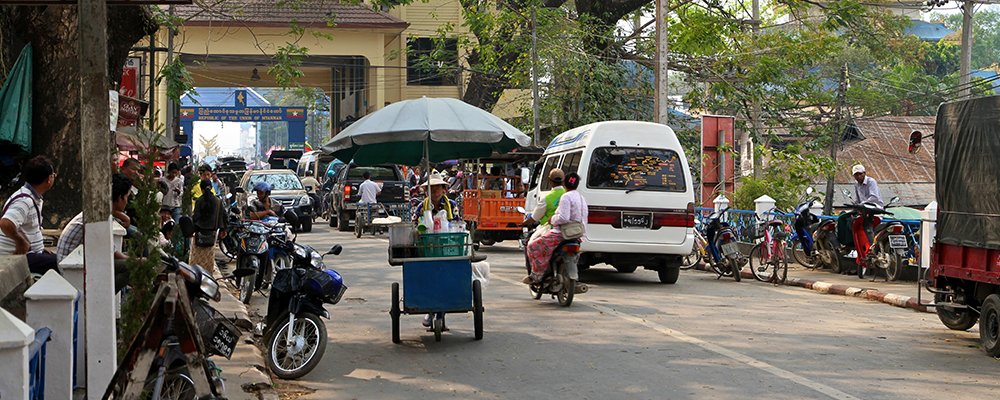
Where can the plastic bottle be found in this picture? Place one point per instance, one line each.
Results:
(440, 222)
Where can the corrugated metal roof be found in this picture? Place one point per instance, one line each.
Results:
(276, 13)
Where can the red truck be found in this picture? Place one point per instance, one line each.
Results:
(965, 258)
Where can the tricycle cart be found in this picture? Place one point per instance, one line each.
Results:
(437, 279)
(376, 218)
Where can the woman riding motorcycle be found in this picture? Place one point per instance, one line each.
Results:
(572, 208)
(545, 209)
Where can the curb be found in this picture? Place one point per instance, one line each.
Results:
(843, 290)
(255, 381)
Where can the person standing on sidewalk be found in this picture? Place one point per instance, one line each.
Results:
(21, 218)
(208, 221)
(175, 191)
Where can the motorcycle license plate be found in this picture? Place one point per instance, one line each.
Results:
(897, 241)
(730, 248)
(636, 220)
(224, 340)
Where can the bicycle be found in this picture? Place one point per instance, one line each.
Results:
(768, 259)
(699, 251)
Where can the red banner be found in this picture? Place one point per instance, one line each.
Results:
(130, 78)
(717, 146)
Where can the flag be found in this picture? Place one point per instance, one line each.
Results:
(307, 147)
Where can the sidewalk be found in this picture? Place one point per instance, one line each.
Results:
(245, 374)
(900, 294)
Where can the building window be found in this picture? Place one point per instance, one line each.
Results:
(431, 62)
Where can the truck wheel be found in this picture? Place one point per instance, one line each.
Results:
(307, 225)
(626, 269)
(669, 275)
(956, 319)
(343, 221)
(989, 325)
(332, 220)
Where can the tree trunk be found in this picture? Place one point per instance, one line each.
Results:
(52, 31)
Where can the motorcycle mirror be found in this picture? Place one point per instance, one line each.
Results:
(239, 190)
(290, 217)
(847, 193)
(336, 249)
(893, 200)
(521, 210)
(187, 226)
(809, 190)
(915, 138)
(229, 196)
(525, 176)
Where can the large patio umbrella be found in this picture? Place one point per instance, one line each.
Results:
(15, 103)
(429, 129)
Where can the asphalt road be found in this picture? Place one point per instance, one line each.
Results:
(633, 338)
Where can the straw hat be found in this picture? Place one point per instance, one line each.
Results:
(435, 179)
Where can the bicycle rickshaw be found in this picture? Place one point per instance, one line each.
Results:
(436, 267)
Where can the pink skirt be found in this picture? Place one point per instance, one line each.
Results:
(540, 251)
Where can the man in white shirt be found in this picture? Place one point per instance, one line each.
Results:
(21, 218)
(369, 190)
(175, 190)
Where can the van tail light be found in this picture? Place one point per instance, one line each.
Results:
(896, 229)
(347, 192)
(726, 236)
(571, 248)
(604, 217)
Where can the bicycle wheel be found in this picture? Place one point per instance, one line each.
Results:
(690, 260)
(780, 262)
(759, 265)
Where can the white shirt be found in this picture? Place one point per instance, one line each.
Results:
(175, 191)
(369, 190)
(25, 216)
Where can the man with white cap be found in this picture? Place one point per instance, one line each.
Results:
(865, 189)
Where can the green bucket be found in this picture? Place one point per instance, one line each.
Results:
(443, 244)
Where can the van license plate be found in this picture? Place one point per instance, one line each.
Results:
(897, 241)
(730, 248)
(636, 220)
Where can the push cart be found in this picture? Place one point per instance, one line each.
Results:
(437, 278)
(370, 217)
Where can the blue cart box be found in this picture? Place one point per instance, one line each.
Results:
(437, 286)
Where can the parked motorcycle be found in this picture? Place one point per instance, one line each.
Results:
(560, 280)
(726, 256)
(295, 336)
(880, 246)
(229, 245)
(803, 243)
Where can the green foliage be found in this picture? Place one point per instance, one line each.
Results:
(179, 80)
(986, 34)
(790, 172)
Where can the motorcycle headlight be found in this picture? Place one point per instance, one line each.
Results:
(305, 200)
(210, 288)
(317, 260)
(300, 251)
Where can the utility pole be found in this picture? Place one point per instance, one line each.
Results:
(171, 105)
(755, 106)
(662, 51)
(965, 58)
(534, 78)
(97, 163)
(839, 126)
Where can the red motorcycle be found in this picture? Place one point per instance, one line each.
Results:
(879, 245)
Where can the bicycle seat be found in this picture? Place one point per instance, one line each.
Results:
(775, 223)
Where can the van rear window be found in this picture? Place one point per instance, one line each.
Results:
(626, 168)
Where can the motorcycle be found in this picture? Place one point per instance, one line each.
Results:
(726, 256)
(805, 223)
(229, 245)
(879, 245)
(295, 337)
(560, 280)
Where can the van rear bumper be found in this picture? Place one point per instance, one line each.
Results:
(680, 249)
(648, 255)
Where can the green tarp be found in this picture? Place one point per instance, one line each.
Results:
(15, 103)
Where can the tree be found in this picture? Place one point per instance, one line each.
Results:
(52, 31)
(986, 35)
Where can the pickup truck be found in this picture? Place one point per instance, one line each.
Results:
(965, 256)
(345, 195)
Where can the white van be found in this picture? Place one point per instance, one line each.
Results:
(638, 185)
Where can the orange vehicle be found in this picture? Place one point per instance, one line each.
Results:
(490, 201)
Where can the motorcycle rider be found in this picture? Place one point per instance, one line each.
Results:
(545, 209)
(260, 207)
(866, 188)
(572, 208)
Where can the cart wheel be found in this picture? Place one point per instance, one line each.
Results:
(358, 229)
(477, 308)
(438, 328)
(394, 312)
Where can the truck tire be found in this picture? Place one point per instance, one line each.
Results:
(343, 221)
(957, 319)
(989, 325)
(332, 220)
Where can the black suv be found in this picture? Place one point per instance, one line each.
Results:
(345, 195)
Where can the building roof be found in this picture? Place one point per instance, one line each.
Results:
(880, 144)
(928, 31)
(274, 13)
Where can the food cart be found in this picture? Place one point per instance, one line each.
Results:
(436, 267)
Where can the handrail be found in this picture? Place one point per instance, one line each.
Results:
(36, 364)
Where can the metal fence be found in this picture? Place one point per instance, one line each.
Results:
(36, 365)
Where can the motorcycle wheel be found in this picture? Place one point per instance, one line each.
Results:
(735, 270)
(176, 386)
(721, 268)
(438, 328)
(565, 295)
(293, 360)
(894, 266)
(228, 246)
(247, 286)
(810, 262)
(760, 267)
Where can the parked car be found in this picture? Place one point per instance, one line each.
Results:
(639, 189)
(286, 189)
(345, 196)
